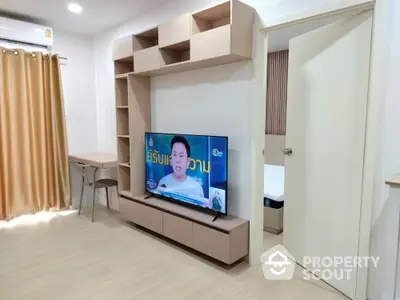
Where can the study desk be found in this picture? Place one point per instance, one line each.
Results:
(95, 160)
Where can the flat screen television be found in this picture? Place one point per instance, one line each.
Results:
(191, 169)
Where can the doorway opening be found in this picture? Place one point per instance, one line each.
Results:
(316, 105)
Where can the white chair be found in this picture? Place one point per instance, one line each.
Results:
(101, 183)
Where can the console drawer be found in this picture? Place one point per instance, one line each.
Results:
(140, 214)
(178, 229)
(211, 242)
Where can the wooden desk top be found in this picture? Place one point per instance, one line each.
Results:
(394, 181)
(95, 159)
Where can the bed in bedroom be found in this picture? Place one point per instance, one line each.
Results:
(274, 181)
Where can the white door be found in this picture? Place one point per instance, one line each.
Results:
(326, 120)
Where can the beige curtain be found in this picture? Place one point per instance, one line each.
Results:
(34, 173)
(277, 80)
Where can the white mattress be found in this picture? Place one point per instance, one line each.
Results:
(274, 182)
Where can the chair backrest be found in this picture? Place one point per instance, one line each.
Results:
(82, 167)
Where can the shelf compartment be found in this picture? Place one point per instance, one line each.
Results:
(175, 31)
(121, 92)
(148, 59)
(124, 151)
(210, 44)
(123, 66)
(146, 39)
(124, 178)
(122, 48)
(123, 122)
(175, 55)
(211, 18)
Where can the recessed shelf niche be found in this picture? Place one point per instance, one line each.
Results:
(123, 122)
(121, 92)
(123, 66)
(175, 53)
(124, 151)
(211, 18)
(146, 39)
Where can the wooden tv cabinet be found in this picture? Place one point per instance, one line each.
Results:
(226, 239)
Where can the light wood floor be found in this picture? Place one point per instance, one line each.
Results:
(72, 258)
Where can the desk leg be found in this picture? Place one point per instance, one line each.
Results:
(82, 188)
(94, 192)
(397, 260)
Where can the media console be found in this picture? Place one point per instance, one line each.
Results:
(226, 239)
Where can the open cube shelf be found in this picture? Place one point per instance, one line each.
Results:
(121, 92)
(123, 122)
(124, 151)
(175, 53)
(211, 18)
(145, 39)
(123, 66)
(124, 178)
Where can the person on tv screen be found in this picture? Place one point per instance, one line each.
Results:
(178, 182)
(216, 202)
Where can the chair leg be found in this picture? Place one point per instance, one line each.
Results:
(94, 192)
(108, 200)
(80, 201)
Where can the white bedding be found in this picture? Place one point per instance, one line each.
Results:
(274, 182)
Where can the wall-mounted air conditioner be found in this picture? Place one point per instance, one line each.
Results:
(26, 33)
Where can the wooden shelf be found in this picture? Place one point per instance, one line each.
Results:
(124, 178)
(147, 59)
(123, 136)
(124, 165)
(121, 92)
(211, 18)
(146, 39)
(123, 75)
(122, 107)
(175, 31)
(122, 48)
(123, 66)
(192, 65)
(123, 122)
(175, 55)
(123, 150)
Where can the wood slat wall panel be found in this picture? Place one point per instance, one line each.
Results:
(277, 79)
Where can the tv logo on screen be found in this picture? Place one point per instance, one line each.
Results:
(217, 153)
(150, 142)
(151, 184)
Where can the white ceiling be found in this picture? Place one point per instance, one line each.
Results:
(97, 15)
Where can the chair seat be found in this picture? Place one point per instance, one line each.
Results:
(106, 182)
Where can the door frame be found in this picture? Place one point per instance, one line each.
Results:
(372, 122)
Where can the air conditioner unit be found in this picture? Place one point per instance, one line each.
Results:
(26, 33)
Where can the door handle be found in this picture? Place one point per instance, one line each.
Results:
(287, 151)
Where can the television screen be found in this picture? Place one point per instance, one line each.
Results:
(188, 168)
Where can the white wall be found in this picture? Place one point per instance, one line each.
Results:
(384, 226)
(78, 76)
(239, 131)
(210, 101)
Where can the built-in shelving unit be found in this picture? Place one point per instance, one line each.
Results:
(217, 35)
